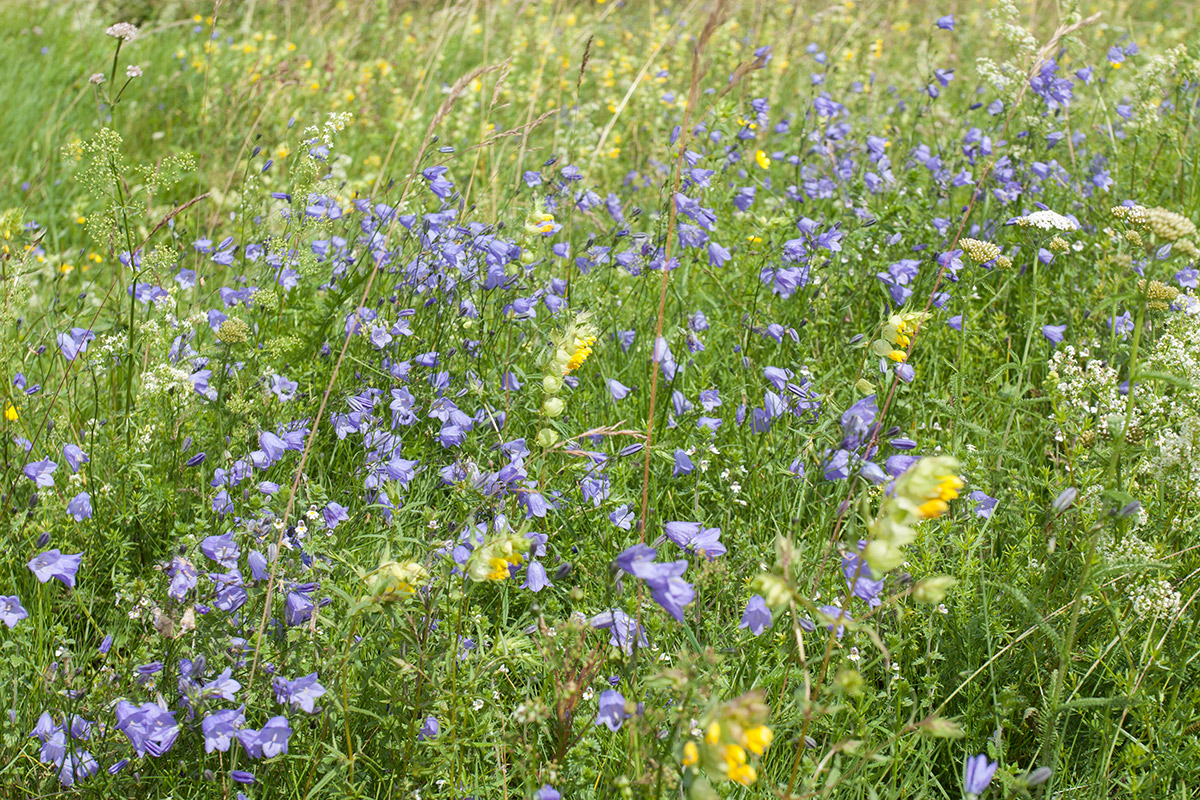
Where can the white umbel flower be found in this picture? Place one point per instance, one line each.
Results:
(1047, 221)
(125, 31)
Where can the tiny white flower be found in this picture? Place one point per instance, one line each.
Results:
(133, 71)
(97, 78)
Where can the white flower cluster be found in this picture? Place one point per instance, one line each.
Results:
(1174, 454)
(1086, 393)
(1156, 599)
(1046, 220)
(166, 381)
(125, 31)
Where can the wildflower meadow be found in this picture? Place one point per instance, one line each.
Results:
(557, 399)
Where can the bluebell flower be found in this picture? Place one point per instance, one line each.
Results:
(860, 581)
(221, 549)
(1054, 333)
(41, 472)
(334, 514)
(984, 505)
(835, 617)
(756, 617)
(223, 686)
(183, 578)
(75, 457)
(536, 578)
(11, 610)
(268, 742)
(683, 464)
(622, 517)
(54, 564)
(667, 587)
(547, 792)
(1122, 324)
(74, 343)
(298, 608)
(80, 507)
(300, 694)
(978, 774)
(618, 390)
(945, 23)
(857, 422)
(149, 727)
(692, 536)
(624, 630)
(612, 710)
(429, 729)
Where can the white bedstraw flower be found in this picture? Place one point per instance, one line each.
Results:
(133, 71)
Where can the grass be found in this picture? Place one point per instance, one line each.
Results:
(326, 424)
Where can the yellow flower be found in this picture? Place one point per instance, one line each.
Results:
(10, 413)
(691, 754)
(735, 762)
(734, 755)
(759, 739)
(491, 561)
(946, 489)
(762, 159)
(743, 774)
(583, 349)
(713, 734)
(394, 580)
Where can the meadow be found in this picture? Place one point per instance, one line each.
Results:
(556, 399)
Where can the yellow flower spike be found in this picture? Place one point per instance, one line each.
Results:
(583, 349)
(691, 754)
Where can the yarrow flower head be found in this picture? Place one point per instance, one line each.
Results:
(980, 252)
(1134, 215)
(1045, 220)
(735, 733)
